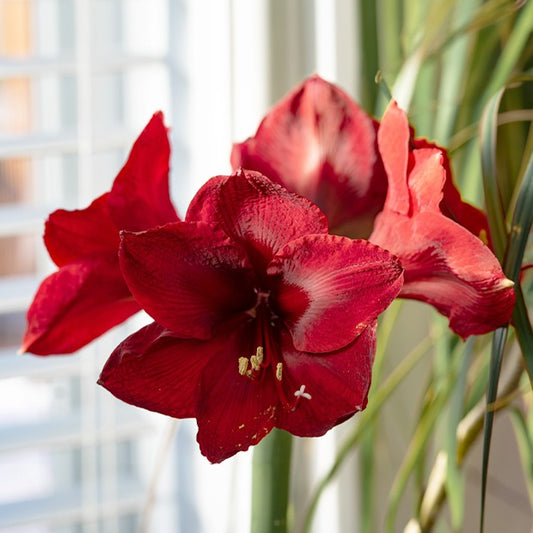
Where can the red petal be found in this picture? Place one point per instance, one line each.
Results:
(157, 371)
(393, 142)
(234, 411)
(139, 198)
(426, 180)
(448, 267)
(254, 211)
(70, 235)
(337, 382)
(187, 276)
(319, 143)
(452, 206)
(77, 304)
(331, 288)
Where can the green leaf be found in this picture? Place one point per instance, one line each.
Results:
(521, 225)
(440, 390)
(523, 330)
(498, 346)
(367, 445)
(369, 53)
(524, 437)
(455, 486)
(520, 229)
(454, 64)
(512, 50)
(414, 453)
(495, 210)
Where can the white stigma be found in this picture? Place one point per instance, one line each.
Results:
(302, 394)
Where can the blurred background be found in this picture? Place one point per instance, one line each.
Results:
(79, 79)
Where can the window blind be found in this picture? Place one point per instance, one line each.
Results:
(78, 81)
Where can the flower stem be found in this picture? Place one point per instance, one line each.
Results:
(270, 483)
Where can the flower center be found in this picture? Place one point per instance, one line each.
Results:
(267, 357)
(256, 365)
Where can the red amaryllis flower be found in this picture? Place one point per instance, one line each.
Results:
(319, 143)
(88, 295)
(263, 319)
(445, 265)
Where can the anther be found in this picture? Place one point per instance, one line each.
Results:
(257, 359)
(302, 394)
(243, 365)
(279, 371)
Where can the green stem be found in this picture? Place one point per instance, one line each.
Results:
(270, 483)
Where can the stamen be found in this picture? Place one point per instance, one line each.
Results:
(257, 359)
(243, 365)
(302, 394)
(279, 371)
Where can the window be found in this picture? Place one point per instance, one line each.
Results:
(77, 85)
(78, 81)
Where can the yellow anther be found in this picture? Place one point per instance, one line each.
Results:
(243, 365)
(279, 371)
(257, 359)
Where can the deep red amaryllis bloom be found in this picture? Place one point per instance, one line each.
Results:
(87, 295)
(319, 143)
(263, 319)
(445, 264)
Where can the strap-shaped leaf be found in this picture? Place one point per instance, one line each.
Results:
(498, 346)
(520, 229)
(455, 486)
(524, 438)
(493, 201)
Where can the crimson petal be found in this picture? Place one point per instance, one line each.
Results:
(139, 198)
(449, 268)
(70, 235)
(318, 143)
(452, 206)
(393, 142)
(330, 387)
(331, 288)
(155, 370)
(234, 412)
(187, 276)
(77, 304)
(252, 210)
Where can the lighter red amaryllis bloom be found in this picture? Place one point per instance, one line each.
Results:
(87, 295)
(445, 264)
(319, 143)
(263, 319)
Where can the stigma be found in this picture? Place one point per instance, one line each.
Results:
(300, 393)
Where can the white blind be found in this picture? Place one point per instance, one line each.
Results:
(78, 81)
